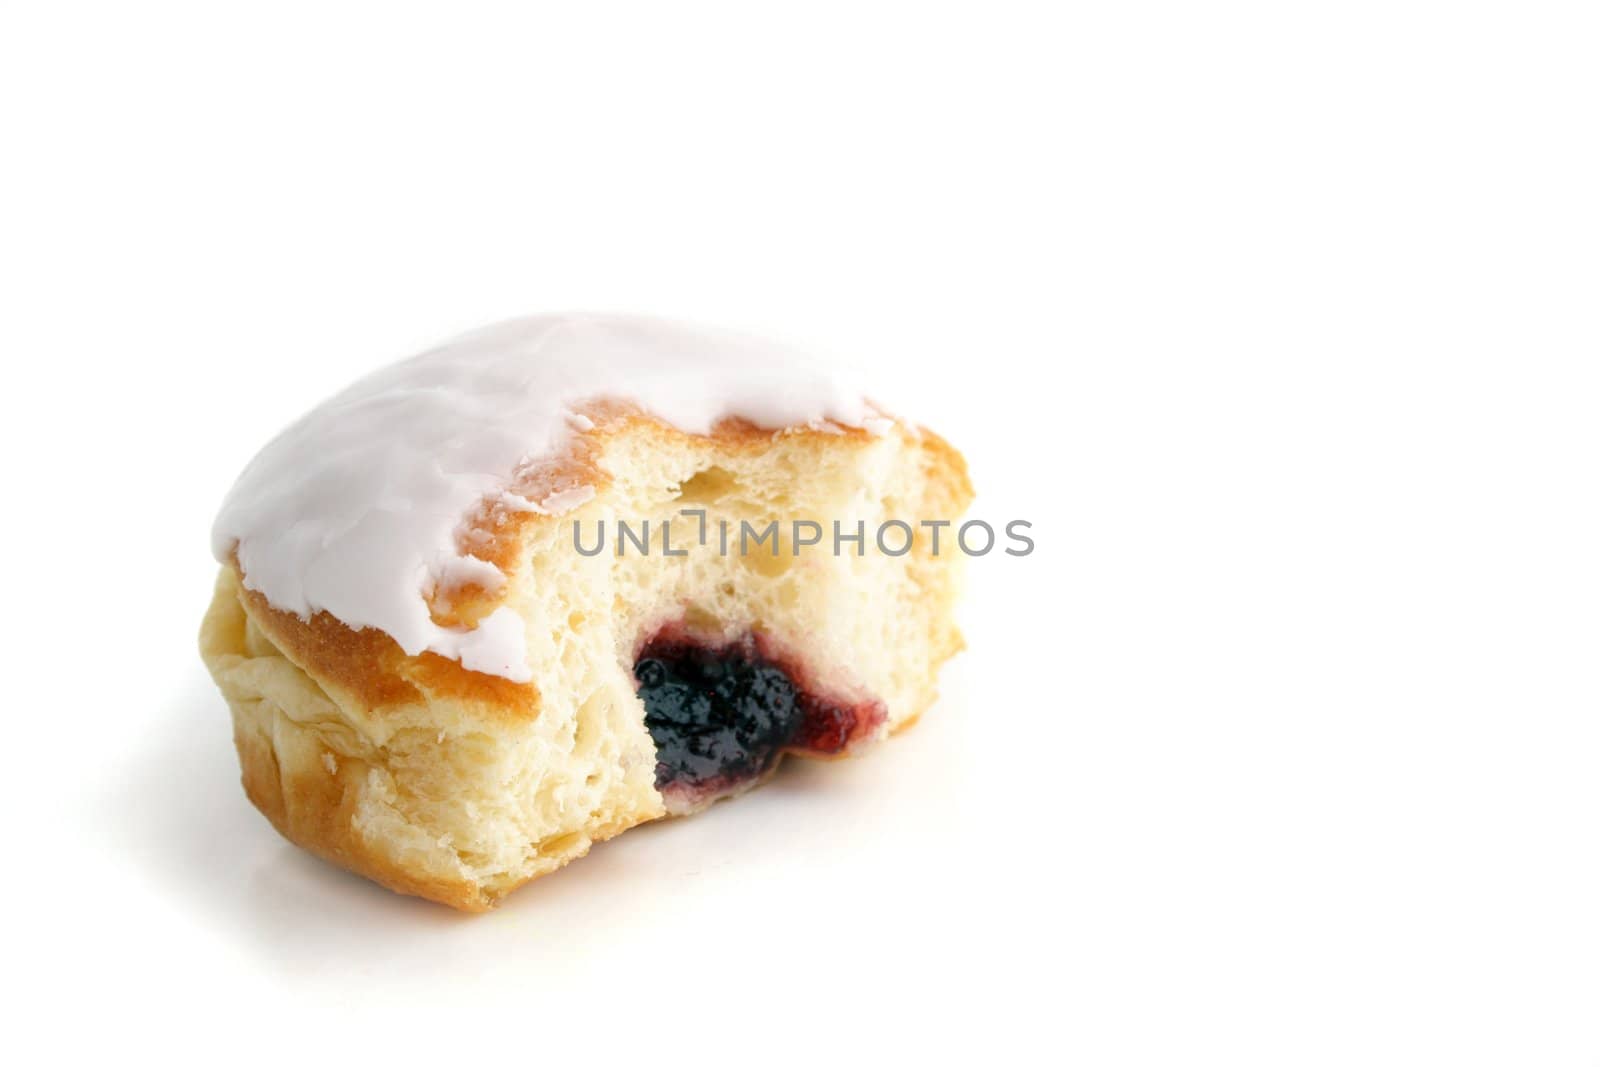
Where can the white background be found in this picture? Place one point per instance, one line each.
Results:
(1278, 321)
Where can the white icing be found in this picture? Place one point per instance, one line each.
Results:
(353, 509)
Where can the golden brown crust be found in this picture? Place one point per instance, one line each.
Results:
(953, 475)
(317, 812)
(306, 789)
(370, 666)
(311, 790)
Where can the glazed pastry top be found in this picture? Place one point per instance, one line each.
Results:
(353, 509)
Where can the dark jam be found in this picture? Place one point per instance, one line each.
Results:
(722, 715)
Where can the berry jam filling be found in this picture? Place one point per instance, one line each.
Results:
(722, 715)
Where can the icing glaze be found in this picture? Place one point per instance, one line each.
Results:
(354, 508)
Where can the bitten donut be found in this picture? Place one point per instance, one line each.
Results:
(565, 575)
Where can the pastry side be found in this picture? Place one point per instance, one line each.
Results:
(458, 786)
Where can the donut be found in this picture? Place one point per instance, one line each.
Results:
(565, 575)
